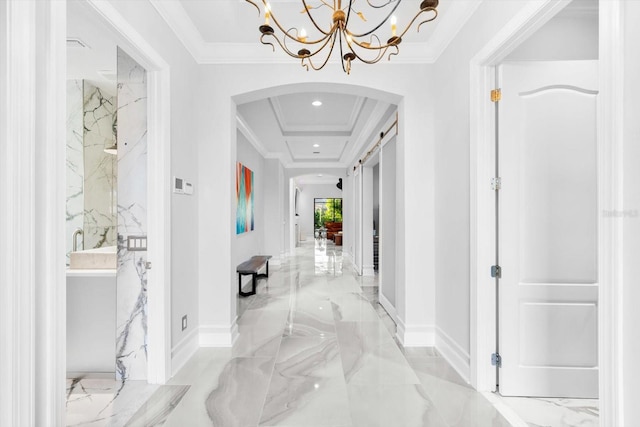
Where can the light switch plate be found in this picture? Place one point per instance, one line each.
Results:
(137, 243)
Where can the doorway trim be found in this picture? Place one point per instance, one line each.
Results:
(158, 192)
(482, 155)
(482, 160)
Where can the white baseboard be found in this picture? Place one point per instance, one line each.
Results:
(184, 350)
(454, 354)
(509, 414)
(415, 335)
(391, 310)
(218, 336)
(368, 270)
(275, 260)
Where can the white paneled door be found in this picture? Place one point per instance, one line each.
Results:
(548, 306)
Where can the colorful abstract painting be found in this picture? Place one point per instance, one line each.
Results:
(244, 195)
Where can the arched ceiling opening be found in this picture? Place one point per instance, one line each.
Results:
(314, 125)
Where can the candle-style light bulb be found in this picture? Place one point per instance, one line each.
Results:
(267, 13)
(303, 35)
(394, 21)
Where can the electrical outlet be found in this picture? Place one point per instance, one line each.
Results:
(184, 322)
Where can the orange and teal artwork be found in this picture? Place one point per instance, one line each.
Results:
(244, 194)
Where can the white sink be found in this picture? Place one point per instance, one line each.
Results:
(94, 259)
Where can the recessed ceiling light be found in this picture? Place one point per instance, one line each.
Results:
(316, 103)
(320, 175)
(316, 145)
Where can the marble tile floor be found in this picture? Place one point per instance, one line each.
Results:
(548, 412)
(314, 349)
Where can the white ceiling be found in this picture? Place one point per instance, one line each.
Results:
(224, 31)
(97, 61)
(288, 127)
(282, 126)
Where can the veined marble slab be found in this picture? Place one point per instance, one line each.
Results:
(156, 410)
(131, 348)
(94, 259)
(549, 412)
(75, 163)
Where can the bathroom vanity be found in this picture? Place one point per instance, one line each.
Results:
(91, 314)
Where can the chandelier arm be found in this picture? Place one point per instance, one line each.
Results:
(326, 60)
(346, 22)
(369, 43)
(380, 46)
(416, 17)
(313, 21)
(297, 39)
(428, 20)
(285, 32)
(326, 41)
(379, 56)
(266, 42)
(257, 7)
(284, 47)
(393, 53)
(382, 6)
(383, 21)
(342, 59)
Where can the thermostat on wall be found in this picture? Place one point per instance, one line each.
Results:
(180, 186)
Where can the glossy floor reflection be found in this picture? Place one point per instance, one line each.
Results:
(315, 348)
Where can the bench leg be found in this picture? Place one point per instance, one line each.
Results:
(253, 284)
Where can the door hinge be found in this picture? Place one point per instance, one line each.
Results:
(496, 360)
(496, 183)
(496, 271)
(496, 95)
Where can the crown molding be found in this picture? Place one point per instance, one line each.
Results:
(315, 165)
(458, 13)
(244, 128)
(182, 26)
(289, 130)
(368, 132)
(172, 11)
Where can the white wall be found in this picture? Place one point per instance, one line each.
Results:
(631, 221)
(376, 196)
(185, 236)
(565, 37)
(452, 191)
(305, 204)
(251, 243)
(226, 85)
(367, 221)
(387, 230)
(274, 221)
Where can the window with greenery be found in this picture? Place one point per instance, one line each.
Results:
(327, 210)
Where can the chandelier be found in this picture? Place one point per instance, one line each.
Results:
(365, 45)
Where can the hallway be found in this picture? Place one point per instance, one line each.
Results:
(315, 349)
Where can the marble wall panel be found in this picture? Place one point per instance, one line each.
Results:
(131, 345)
(75, 163)
(100, 168)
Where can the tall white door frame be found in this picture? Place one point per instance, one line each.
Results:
(158, 192)
(482, 232)
(33, 318)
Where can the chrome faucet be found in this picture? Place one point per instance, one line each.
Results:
(74, 238)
